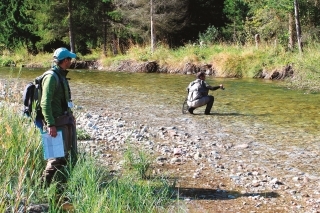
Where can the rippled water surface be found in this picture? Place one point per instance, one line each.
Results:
(250, 101)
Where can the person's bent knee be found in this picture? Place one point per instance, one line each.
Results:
(211, 98)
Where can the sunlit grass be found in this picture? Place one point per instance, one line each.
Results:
(138, 160)
(21, 158)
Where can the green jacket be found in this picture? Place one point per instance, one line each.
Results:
(54, 99)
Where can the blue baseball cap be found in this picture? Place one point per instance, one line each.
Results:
(62, 53)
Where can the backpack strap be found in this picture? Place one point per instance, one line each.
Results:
(52, 72)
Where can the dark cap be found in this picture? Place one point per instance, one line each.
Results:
(200, 74)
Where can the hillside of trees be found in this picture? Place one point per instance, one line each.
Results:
(114, 25)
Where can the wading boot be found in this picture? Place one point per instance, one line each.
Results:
(190, 110)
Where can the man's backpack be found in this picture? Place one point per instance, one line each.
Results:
(195, 90)
(32, 94)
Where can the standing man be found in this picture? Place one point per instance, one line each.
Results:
(198, 94)
(56, 107)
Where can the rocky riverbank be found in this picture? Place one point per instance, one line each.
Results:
(188, 68)
(225, 170)
(192, 68)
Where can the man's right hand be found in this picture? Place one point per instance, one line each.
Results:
(52, 131)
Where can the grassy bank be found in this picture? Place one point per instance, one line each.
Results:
(90, 187)
(227, 60)
(241, 61)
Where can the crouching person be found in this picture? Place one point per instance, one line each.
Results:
(198, 94)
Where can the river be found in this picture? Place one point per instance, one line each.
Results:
(266, 110)
(249, 101)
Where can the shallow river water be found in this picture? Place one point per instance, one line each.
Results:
(268, 104)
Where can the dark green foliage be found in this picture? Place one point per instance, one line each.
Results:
(209, 36)
(16, 25)
(205, 13)
(45, 25)
(310, 16)
(170, 19)
(236, 12)
(91, 21)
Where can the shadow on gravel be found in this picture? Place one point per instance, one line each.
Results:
(222, 114)
(230, 114)
(214, 194)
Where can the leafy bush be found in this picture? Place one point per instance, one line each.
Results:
(6, 62)
(209, 36)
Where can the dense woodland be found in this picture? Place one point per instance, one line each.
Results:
(114, 25)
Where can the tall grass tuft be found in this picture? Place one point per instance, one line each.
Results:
(94, 189)
(21, 159)
(307, 70)
(137, 160)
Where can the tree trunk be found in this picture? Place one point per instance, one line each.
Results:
(257, 40)
(298, 29)
(234, 32)
(291, 32)
(152, 27)
(115, 43)
(71, 34)
(104, 38)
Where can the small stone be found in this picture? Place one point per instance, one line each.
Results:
(177, 151)
(175, 160)
(255, 184)
(197, 156)
(161, 158)
(296, 179)
(242, 146)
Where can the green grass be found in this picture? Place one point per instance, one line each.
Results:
(21, 159)
(138, 160)
(308, 69)
(83, 134)
(234, 60)
(90, 187)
